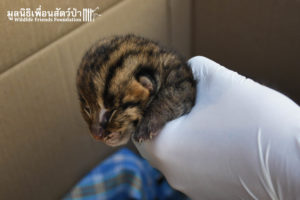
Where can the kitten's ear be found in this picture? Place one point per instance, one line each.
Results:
(147, 76)
(146, 82)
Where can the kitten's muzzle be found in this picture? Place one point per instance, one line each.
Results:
(98, 132)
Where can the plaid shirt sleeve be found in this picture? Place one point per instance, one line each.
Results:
(123, 176)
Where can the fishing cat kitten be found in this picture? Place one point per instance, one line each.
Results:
(131, 85)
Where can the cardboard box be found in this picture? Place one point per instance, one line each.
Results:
(259, 39)
(22, 39)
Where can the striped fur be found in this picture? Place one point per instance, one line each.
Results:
(131, 85)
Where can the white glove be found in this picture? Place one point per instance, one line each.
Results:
(240, 141)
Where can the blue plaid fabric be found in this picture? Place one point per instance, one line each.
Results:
(124, 176)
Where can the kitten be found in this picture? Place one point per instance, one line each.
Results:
(129, 85)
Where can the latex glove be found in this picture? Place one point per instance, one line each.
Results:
(240, 141)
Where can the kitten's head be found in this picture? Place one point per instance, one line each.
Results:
(115, 84)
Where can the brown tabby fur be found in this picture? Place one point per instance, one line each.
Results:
(137, 84)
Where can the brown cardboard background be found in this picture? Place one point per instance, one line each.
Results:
(180, 26)
(20, 40)
(44, 143)
(259, 39)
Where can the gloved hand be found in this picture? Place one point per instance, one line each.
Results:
(240, 141)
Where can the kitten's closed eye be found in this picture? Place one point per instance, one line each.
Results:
(130, 104)
(129, 85)
(87, 110)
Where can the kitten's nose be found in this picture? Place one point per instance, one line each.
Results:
(98, 127)
(104, 118)
(97, 131)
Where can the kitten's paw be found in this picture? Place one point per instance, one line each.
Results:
(144, 132)
(140, 137)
